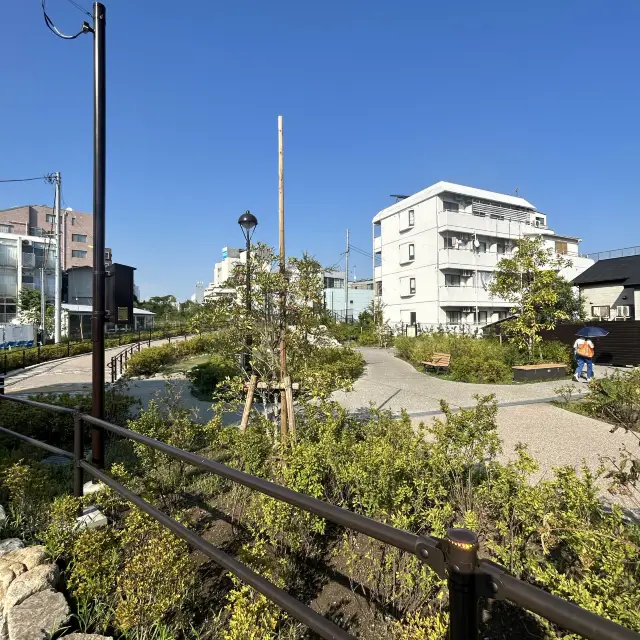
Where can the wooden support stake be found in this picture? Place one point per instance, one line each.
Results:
(283, 295)
(288, 391)
(247, 407)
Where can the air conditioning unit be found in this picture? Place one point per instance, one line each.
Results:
(467, 310)
(622, 311)
(467, 274)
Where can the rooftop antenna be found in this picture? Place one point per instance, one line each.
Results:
(517, 190)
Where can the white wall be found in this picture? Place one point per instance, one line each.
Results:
(611, 295)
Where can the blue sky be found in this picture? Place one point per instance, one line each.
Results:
(378, 97)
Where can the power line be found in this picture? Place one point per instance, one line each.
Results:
(86, 27)
(25, 179)
(364, 253)
(80, 8)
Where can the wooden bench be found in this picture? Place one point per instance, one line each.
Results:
(438, 361)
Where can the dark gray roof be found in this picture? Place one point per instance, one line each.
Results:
(623, 270)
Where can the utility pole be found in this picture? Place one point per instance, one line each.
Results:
(346, 281)
(58, 276)
(99, 172)
(283, 293)
(43, 304)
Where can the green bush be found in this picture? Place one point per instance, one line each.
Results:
(484, 360)
(476, 368)
(344, 332)
(368, 338)
(151, 360)
(206, 377)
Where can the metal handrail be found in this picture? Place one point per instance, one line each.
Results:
(454, 558)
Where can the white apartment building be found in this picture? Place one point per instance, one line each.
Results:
(435, 253)
(223, 270)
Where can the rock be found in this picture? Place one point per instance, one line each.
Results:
(39, 616)
(86, 636)
(3, 516)
(42, 577)
(30, 557)
(91, 518)
(7, 576)
(10, 544)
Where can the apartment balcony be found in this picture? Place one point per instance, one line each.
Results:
(466, 259)
(377, 273)
(467, 297)
(482, 225)
(377, 244)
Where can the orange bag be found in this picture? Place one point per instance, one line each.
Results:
(585, 350)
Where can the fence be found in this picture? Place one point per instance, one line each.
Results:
(620, 348)
(614, 253)
(455, 557)
(21, 358)
(118, 363)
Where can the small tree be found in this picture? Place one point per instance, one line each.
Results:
(530, 281)
(30, 310)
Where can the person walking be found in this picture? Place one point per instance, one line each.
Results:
(584, 350)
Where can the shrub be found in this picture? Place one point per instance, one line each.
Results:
(155, 575)
(151, 360)
(483, 360)
(476, 368)
(616, 398)
(206, 377)
(368, 338)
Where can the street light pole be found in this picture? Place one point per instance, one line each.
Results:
(99, 172)
(248, 222)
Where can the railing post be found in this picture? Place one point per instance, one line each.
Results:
(461, 556)
(1, 384)
(24, 365)
(5, 363)
(38, 355)
(68, 348)
(78, 455)
(150, 332)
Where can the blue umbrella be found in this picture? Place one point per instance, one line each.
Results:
(592, 332)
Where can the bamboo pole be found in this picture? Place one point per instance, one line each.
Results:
(247, 406)
(283, 295)
(288, 390)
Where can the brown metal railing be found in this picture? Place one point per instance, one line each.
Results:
(455, 557)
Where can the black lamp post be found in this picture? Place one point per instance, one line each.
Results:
(248, 222)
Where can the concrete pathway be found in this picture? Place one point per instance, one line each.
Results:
(67, 375)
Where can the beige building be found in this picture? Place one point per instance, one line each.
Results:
(610, 289)
(39, 221)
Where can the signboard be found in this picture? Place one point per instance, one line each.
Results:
(224, 253)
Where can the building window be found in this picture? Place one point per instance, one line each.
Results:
(412, 285)
(482, 247)
(600, 312)
(379, 288)
(482, 317)
(496, 216)
(454, 317)
(412, 252)
(6, 228)
(78, 237)
(451, 206)
(500, 249)
(78, 253)
(561, 247)
(451, 242)
(451, 280)
(412, 218)
(413, 317)
(73, 222)
(50, 217)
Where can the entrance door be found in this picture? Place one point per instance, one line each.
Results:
(412, 317)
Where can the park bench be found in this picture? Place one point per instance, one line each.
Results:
(438, 361)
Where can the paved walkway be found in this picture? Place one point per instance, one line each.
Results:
(67, 375)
